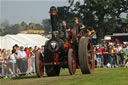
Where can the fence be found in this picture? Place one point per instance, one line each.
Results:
(118, 59)
(10, 69)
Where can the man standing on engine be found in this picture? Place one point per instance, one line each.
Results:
(79, 26)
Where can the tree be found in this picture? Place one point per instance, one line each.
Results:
(47, 26)
(13, 29)
(24, 25)
(4, 25)
(5, 28)
(38, 27)
(32, 26)
(64, 13)
(99, 13)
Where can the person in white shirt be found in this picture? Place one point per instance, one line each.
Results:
(12, 62)
(22, 64)
(21, 52)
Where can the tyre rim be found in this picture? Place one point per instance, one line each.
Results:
(41, 65)
(90, 56)
(73, 62)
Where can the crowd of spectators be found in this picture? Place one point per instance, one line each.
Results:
(21, 60)
(111, 55)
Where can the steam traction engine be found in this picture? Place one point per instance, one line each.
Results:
(60, 53)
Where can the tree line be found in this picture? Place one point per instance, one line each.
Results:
(6, 28)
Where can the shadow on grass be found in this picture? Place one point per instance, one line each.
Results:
(34, 76)
(25, 77)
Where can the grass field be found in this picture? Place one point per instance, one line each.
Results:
(101, 76)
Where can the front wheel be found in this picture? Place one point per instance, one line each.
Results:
(52, 70)
(71, 62)
(86, 55)
(39, 65)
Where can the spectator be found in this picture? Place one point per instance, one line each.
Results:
(95, 54)
(116, 54)
(3, 54)
(4, 57)
(121, 55)
(126, 54)
(12, 62)
(104, 44)
(105, 56)
(16, 47)
(112, 56)
(117, 41)
(33, 58)
(22, 65)
(126, 51)
(101, 50)
(8, 53)
(98, 57)
(30, 60)
(27, 53)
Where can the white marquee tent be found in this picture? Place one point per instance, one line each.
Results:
(25, 40)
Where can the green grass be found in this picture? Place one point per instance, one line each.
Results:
(101, 76)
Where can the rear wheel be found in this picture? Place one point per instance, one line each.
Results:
(52, 70)
(39, 64)
(86, 55)
(71, 62)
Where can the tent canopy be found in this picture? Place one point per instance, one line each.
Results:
(26, 40)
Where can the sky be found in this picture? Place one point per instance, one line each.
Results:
(16, 11)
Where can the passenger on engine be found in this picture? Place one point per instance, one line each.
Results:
(66, 31)
(78, 29)
(90, 30)
(78, 26)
